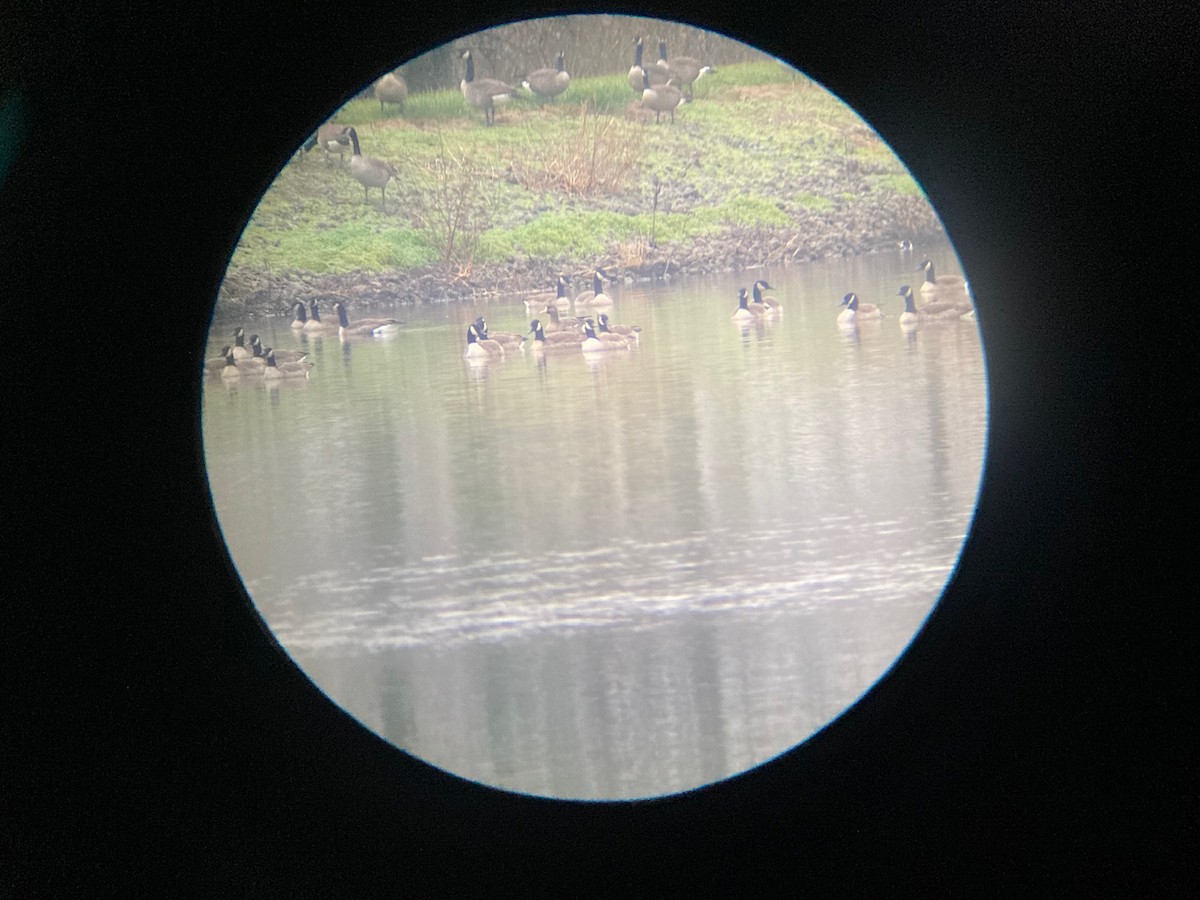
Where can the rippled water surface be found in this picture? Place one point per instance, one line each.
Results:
(618, 577)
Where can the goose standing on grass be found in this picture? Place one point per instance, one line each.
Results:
(331, 138)
(363, 327)
(596, 296)
(479, 347)
(744, 313)
(391, 88)
(370, 171)
(770, 305)
(662, 99)
(857, 312)
(484, 93)
(935, 310)
(548, 82)
(685, 70)
(509, 340)
(637, 74)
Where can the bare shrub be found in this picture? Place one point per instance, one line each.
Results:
(597, 159)
(457, 204)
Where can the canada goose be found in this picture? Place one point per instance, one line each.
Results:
(936, 284)
(236, 368)
(630, 331)
(558, 322)
(770, 305)
(214, 364)
(548, 82)
(593, 342)
(239, 348)
(637, 74)
(559, 341)
(484, 93)
(932, 311)
(331, 138)
(363, 327)
(685, 70)
(744, 313)
(479, 347)
(662, 99)
(300, 318)
(280, 355)
(391, 88)
(596, 296)
(370, 172)
(275, 370)
(314, 325)
(857, 312)
(509, 340)
(538, 301)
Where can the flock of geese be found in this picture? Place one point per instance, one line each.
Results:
(554, 330)
(944, 298)
(662, 86)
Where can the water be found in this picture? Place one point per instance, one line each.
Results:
(608, 578)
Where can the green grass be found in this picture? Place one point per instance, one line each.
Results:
(754, 149)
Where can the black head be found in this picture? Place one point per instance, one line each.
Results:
(638, 40)
(851, 300)
(904, 291)
(925, 264)
(535, 325)
(762, 284)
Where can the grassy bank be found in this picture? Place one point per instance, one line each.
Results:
(758, 159)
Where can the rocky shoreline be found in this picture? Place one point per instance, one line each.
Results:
(857, 230)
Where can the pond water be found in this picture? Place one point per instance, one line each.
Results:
(616, 577)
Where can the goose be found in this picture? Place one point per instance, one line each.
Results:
(637, 74)
(559, 298)
(484, 93)
(686, 70)
(236, 368)
(932, 311)
(479, 347)
(606, 336)
(509, 340)
(280, 355)
(369, 171)
(331, 138)
(630, 331)
(391, 88)
(857, 312)
(934, 284)
(596, 296)
(770, 305)
(559, 341)
(744, 313)
(239, 348)
(314, 325)
(593, 342)
(214, 364)
(363, 327)
(558, 322)
(548, 82)
(662, 99)
(275, 370)
(300, 318)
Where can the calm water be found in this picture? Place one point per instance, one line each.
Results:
(612, 578)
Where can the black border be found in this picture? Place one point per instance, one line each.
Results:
(1038, 731)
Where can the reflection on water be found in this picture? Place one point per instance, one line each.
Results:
(618, 576)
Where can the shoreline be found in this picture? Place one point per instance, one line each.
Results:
(249, 292)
